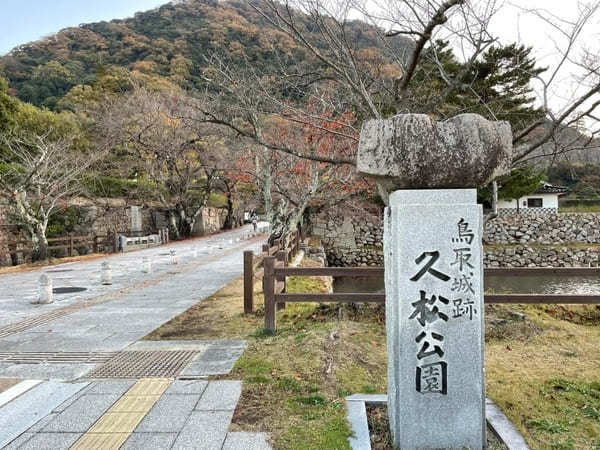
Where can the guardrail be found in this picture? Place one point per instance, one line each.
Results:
(252, 264)
(276, 273)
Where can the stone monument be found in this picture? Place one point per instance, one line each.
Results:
(135, 213)
(434, 270)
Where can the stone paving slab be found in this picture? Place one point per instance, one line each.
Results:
(149, 441)
(169, 414)
(220, 396)
(219, 358)
(187, 387)
(25, 411)
(205, 430)
(247, 441)
(81, 414)
(50, 371)
(50, 441)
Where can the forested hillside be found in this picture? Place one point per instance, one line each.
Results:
(172, 41)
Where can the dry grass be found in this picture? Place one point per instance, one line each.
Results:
(7, 383)
(549, 384)
(543, 371)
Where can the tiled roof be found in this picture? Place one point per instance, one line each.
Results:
(552, 189)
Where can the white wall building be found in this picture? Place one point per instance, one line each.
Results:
(542, 201)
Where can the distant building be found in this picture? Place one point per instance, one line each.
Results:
(542, 201)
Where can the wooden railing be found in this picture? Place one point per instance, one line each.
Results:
(67, 242)
(253, 265)
(275, 274)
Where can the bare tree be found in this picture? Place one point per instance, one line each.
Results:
(37, 177)
(175, 161)
(338, 72)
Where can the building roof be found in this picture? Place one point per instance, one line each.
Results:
(548, 188)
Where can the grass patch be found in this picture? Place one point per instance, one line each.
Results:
(542, 369)
(579, 209)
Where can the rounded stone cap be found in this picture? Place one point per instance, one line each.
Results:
(414, 151)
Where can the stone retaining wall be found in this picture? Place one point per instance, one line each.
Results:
(544, 229)
(350, 240)
(354, 238)
(105, 216)
(526, 256)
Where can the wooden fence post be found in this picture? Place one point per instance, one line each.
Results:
(248, 281)
(115, 242)
(282, 257)
(265, 248)
(269, 293)
(96, 245)
(70, 244)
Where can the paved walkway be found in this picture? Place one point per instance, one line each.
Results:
(144, 414)
(95, 334)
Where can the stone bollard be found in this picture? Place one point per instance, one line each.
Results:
(106, 277)
(46, 291)
(173, 257)
(146, 265)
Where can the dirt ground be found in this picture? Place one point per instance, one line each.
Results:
(7, 383)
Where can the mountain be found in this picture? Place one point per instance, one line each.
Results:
(569, 144)
(171, 41)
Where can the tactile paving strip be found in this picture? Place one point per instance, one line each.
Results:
(116, 425)
(57, 357)
(144, 364)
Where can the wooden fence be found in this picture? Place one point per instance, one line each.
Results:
(275, 274)
(92, 242)
(69, 243)
(253, 264)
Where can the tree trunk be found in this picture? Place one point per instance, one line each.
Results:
(40, 243)
(173, 225)
(228, 225)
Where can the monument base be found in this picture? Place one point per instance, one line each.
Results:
(357, 404)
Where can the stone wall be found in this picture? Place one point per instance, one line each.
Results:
(527, 256)
(544, 229)
(351, 240)
(105, 216)
(354, 238)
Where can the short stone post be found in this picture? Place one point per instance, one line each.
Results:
(46, 290)
(434, 270)
(146, 265)
(106, 276)
(173, 257)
